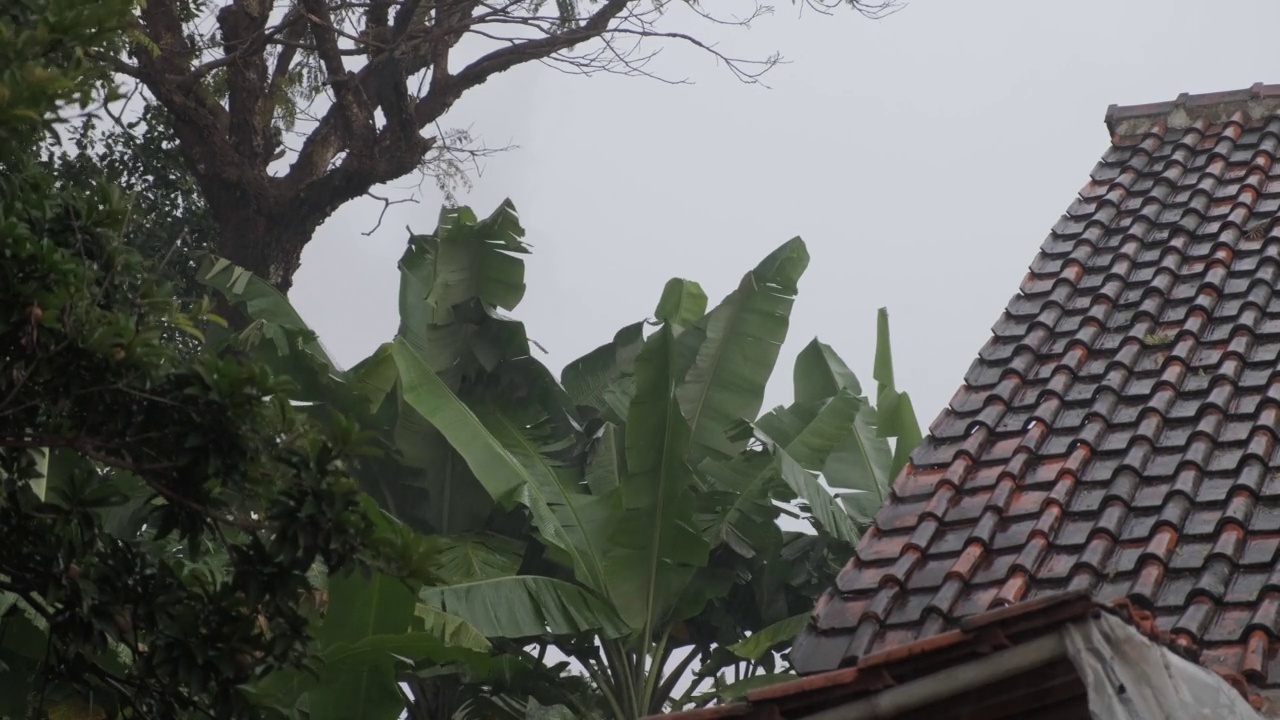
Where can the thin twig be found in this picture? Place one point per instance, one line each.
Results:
(386, 203)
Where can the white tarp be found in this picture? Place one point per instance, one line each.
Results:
(1129, 677)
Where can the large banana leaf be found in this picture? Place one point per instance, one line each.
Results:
(738, 503)
(277, 334)
(427, 487)
(819, 373)
(734, 349)
(452, 282)
(423, 481)
(768, 638)
(360, 608)
(440, 496)
(260, 301)
(526, 606)
(656, 546)
(826, 512)
(374, 377)
(895, 417)
(376, 650)
(566, 516)
(480, 556)
(507, 462)
(367, 631)
(451, 629)
(588, 379)
(606, 462)
(811, 431)
(863, 463)
(425, 392)
(464, 259)
(532, 418)
(374, 660)
(840, 437)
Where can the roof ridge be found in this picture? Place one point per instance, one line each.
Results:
(1256, 101)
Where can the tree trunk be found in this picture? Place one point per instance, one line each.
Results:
(261, 244)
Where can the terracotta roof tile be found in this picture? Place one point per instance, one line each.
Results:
(900, 655)
(1119, 433)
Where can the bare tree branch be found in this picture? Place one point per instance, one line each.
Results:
(386, 203)
(363, 80)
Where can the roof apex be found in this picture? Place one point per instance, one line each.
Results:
(1256, 102)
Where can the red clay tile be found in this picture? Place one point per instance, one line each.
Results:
(1230, 625)
(1266, 614)
(1032, 553)
(1147, 583)
(1195, 619)
(1253, 665)
(1260, 550)
(1246, 586)
(856, 576)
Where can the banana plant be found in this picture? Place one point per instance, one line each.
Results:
(623, 516)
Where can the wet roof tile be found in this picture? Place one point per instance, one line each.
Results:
(1120, 430)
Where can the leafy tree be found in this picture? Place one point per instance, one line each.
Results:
(343, 92)
(169, 222)
(161, 511)
(624, 517)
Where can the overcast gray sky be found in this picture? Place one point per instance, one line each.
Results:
(922, 157)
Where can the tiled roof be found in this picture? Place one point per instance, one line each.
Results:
(975, 637)
(1119, 432)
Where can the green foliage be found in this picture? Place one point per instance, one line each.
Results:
(44, 63)
(168, 219)
(734, 349)
(182, 530)
(523, 606)
(163, 506)
(681, 304)
(626, 516)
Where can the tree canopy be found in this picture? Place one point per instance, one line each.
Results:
(284, 112)
(161, 510)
